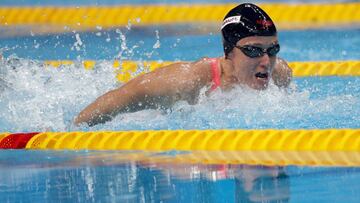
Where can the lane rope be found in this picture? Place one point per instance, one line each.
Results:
(286, 16)
(128, 69)
(325, 147)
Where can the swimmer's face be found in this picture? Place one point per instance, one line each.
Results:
(254, 72)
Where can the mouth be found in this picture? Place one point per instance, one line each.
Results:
(263, 76)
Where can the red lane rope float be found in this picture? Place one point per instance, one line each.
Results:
(16, 140)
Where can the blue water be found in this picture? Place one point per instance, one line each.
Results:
(35, 98)
(106, 44)
(53, 97)
(62, 176)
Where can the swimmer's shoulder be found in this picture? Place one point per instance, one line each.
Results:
(188, 69)
(191, 74)
(199, 65)
(204, 64)
(282, 73)
(203, 67)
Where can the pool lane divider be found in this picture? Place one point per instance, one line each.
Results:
(15, 140)
(128, 69)
(286, 16)
(323, 147)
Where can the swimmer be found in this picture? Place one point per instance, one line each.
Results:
(250, 45)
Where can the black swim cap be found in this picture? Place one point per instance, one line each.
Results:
(243, 21)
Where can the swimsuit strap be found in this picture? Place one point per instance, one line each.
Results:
(215, 73)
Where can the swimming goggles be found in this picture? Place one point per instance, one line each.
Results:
(253, 51)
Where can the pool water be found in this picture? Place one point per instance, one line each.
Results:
(53, 97)
(169, 42)
(38, 98)
(111, 176)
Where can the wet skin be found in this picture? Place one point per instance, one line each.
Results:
(253, 72)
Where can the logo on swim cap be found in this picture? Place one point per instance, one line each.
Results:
(230, 20)
(265, 23)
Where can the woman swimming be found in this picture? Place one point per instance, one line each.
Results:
(250, 45)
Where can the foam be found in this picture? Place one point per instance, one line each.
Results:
(39, 98)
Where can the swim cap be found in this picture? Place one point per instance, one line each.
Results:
(243, 21)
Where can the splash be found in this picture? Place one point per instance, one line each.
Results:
(78, 43)
(34, 97)
(37, 98)
(243, 108)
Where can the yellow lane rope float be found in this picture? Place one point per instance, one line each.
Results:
(128, 69)
(327, 147)
(2, 135)
(286, 16)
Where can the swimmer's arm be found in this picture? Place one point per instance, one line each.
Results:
(165, 83)
(282, 73)
(105, 107)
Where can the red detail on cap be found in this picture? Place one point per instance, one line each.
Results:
(264, 23)
(16, 141)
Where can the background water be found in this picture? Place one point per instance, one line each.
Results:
(38, 98)
(51, 98)
(170, 43)
(93, 176)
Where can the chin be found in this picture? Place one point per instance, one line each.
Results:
(263, 87)
(260, 85)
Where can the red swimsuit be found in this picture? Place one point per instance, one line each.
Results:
(215, 73)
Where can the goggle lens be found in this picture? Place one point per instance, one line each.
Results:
(253, 51)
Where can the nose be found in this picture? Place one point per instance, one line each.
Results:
(265, 60)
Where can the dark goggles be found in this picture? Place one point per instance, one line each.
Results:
(253, 51)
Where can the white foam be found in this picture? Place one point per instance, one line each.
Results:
(38, 98)
(41, 98)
